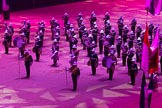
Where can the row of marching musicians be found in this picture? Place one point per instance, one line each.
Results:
(106, 44)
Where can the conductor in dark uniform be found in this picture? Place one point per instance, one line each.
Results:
(75, 72)
(28, 62)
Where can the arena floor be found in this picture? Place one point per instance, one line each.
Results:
(48, 86)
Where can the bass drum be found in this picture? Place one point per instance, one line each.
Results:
(18, 42)
(104, 62)
(15, 41)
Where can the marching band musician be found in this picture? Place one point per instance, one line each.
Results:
(55, 28)
(23, 44)
(93, 19)
(101, 41)
(10, 30)
(88, 44)
(65, 18)
(107, 27)
(93, 61)
(131, 39)
(67, 30)
(106, 46)
(138, 49)
(106, 18)
(28, 31)
(95, 33)
(37, 48)
(41, 30)
(74, 54)
(81, 31)
(6, 41)
(129, 59)
(54, 23)
(124, 53)
(112, 36)
(55, 49)
(111, 67)
(125, 33)
(118, 46)
(73, 41)
(28, 62)
(85, 38)
(120, 23)
(79, 19)
(138, 31)
(133, 24)
(133, 71)
(25, 28)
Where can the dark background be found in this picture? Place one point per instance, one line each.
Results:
(17, 5)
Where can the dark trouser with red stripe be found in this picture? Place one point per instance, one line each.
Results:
(74, 79)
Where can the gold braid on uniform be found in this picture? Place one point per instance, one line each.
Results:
(73, 70)
(27, 57)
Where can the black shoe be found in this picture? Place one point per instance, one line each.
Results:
(27, 77)
(132, 83)
(74, 89)
(110, 79)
